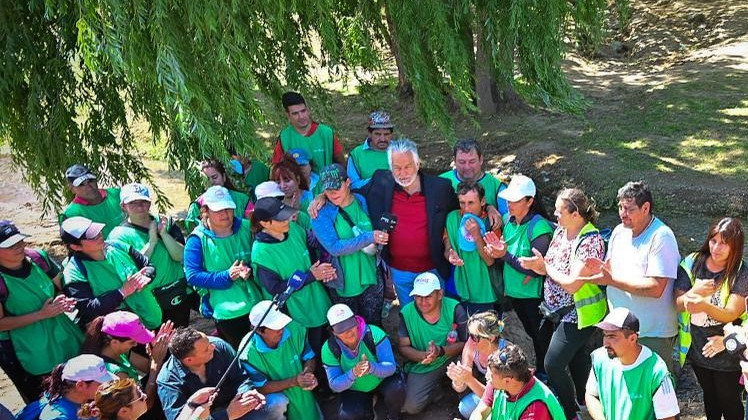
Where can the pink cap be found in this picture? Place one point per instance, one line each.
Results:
(124, 324)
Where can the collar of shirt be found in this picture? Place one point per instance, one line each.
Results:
(525, 219)
(78, 200)
(525, 390)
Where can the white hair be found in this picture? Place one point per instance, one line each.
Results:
(403, 145)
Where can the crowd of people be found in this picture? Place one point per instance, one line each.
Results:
(610, 315)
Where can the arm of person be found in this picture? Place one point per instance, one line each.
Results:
(173, 241)
(732, 311)
(591, 247)
(541, 243)
(173, 400)
(592, 398)
(642, 286)
(50, 309)
(404, 344)
(385, 365)
(460, 318)
(324, 230)
(273, 283)
(354, 176)
(481, 412)
(89, 305)
(194, 268)
(139, 259)
(480, 246)
(467, 360)
(665, 401)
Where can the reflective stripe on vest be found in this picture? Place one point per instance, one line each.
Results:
(684, 318)
(589, 300)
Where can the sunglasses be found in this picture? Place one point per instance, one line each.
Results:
(141, 397)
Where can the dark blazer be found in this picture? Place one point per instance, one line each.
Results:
(440, 200)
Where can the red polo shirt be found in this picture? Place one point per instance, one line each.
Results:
(409, 242)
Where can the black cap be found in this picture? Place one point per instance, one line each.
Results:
(268, 208)
(9, 234)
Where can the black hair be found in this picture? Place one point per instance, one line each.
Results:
(54, 385)
(537, 206)
(218, 166)
(466, 146)
(639, 192)
(183, 342)
(466, 187)
(292, 98)
(510, 361)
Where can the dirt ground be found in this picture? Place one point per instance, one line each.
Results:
(678, 44)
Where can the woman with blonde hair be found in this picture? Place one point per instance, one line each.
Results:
(117, 400)
(484, 337)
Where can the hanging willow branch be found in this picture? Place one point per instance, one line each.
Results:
(75, 74)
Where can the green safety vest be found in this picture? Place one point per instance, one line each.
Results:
(319, 144)
(282, 363)
(627, 394)
(359, 268)
(489, 182)
(474, 280)
(192, 220)
(368, 382)
(308, 306)
(421, 332)
(110, 274)
(367, 160)
(519, 243)
(503, 409)
(107, 212)
(41, 345)
(589, 300)
(258, 173)
(684, 318)
(218, 255)
(167, 270)
(121, 365)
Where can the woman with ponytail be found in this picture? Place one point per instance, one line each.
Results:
(70, 385)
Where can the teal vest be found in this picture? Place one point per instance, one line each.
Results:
(367, 161)
(474, 280)
(508, 410)
(107, 212)
(421, 332)
(518, 242)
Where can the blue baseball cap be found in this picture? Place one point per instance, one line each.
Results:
(301, 156)
(465, 239)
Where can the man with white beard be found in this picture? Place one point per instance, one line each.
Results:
(421, 203)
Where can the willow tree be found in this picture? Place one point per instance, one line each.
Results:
(74, 76)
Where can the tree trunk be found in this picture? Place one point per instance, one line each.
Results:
(404, 87)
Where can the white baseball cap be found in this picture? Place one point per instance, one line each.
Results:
(519, 187)
(217, 198)
(134, 192)
(341, 318)
(86, 367)
(275, 320)
(425, 284)
(268, 189)
(77, 227)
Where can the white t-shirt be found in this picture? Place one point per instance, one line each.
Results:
(654, 253)
(664, 400)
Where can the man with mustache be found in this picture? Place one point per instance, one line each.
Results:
(421, 203)
(627, 379)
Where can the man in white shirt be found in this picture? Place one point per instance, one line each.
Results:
(640, 269)
(627, 380)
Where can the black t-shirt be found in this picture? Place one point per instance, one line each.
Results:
(699, 335)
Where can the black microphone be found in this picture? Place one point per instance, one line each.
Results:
(387, 223)
(294, 283)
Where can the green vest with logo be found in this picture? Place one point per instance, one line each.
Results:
(359, 268)
(282, 363)
(319, 145)
(308, 306)
(167, 270)
(107, 212)
(488, 181)
(368, 382)
(512, 410)
(474, 280)
(627, 394)
(421, 332)
(43, 344)
(589, 300)
(110, 274)
(519, 244)
(684, 318)
(367, 160)
(219, 254)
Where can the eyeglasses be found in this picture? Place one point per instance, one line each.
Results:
(475, 337)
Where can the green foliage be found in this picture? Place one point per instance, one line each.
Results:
(75, 75)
